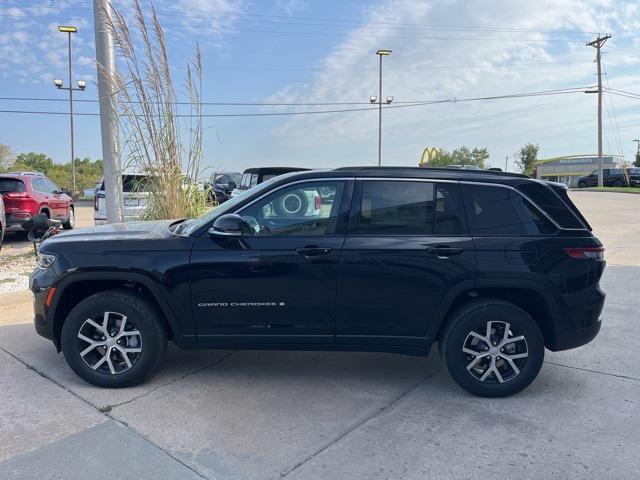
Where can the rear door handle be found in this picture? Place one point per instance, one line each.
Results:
(313, 251)
(444, 251)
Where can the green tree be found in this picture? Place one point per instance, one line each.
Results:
(33, 161)
(5, 156)
(637, 162)
(527, 157)
(461, 156)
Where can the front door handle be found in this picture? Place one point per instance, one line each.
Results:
(444, 251)
(313, 251)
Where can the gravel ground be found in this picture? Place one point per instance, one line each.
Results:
(15, 270)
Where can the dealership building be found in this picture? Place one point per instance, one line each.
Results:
(568, 169)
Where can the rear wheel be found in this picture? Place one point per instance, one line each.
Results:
(71, 221)
(492, 348)
(114, 339)
(582, 185)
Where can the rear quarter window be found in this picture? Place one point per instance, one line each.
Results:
(560, 209)
(500, 211)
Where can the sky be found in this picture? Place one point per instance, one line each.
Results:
(324, 51)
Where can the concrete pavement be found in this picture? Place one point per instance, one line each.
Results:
(308, 415)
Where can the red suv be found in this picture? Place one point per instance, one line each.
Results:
(27, 194)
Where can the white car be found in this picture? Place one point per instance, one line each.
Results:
(134, 199)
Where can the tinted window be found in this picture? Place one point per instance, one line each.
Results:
(546, 198)
(51, 187)
(254, 180)
(134, 183)
(11, 185)
(500, 211)
(307, 209)
(408, 208)
(269, 176)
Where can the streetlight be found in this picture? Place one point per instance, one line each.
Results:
(378, 99)
(59, 84)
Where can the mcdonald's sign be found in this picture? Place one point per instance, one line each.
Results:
(428, 155)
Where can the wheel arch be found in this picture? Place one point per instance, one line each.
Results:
(530, 297)
(76, 287)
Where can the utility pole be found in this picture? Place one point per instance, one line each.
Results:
(637, 162)
(506, 162)
(81, 86)
(106, 64)
(373, 99)
(597, 44)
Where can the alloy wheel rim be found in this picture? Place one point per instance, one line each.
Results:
(109, 343)
(495, 353)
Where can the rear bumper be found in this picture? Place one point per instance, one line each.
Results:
(16, 221)
(579, 325)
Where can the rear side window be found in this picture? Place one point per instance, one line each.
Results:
(547, 199)
(500, 211)
(11, 185)
(408, 208)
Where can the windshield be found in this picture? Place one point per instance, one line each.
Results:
(226, 207)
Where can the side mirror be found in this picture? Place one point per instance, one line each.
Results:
(232, 185)
(225, 226)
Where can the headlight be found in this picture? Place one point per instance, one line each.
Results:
(45, 260)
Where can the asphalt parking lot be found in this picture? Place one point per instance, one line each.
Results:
(314, 415)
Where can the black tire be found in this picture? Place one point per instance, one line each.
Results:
(144, 318)
(582, 185)
(71, 221)
(292, 205)
(474, 317)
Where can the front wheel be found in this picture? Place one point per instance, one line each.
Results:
(582, 185)
(114, 339)
(492, 348)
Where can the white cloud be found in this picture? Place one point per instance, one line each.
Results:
(349, 73)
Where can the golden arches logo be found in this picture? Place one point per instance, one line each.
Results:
(427, 155)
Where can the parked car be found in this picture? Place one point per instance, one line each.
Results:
(221, 184)
(134, 198)
(26, 194)
(612, 177)
(3, 221)
(493, 266)
(255, 176)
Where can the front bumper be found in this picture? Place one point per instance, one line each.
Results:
(40, 284)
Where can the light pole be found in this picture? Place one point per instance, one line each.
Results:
(59, 84)
(373, 99)
(637, 152)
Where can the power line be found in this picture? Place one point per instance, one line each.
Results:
(284, 104)
(177, 12)
(318, 112)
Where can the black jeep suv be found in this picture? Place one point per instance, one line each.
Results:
(493, 266)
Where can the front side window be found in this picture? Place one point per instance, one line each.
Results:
(39, 185)
(254, 180)
(500, 211)
(306, 209)
(390, 207)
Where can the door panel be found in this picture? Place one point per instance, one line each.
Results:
(393, 286)
(265, 286)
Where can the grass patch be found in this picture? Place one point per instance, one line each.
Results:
(9, 259)
(7, 280)
(613, 189)
(105, 409)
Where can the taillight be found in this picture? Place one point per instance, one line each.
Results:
(95, 202)
(318, 202)
(16, 195)
(584, 253)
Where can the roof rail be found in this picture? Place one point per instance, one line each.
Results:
(434, 169)
(24, 173)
